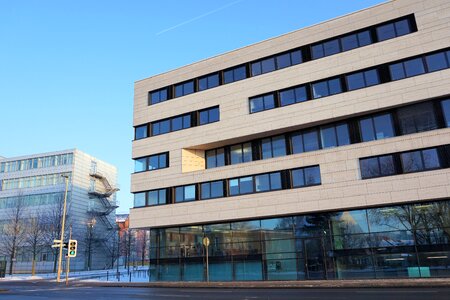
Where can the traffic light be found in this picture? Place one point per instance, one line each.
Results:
(72, 252)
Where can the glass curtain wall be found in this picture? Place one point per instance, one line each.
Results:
(404, 241)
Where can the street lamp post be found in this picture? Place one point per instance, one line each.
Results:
(63, 223)
(91, 227)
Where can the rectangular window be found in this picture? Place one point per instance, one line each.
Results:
(417, 118)
(376, 128)
(335, 135)
(234, 74)
(261, 103)
(362, 79)
(212, 189)
(184, 88)
(353, 41)
(241, 153)
(394, 29)
(239, 186)
(326, 88)
(305, 141)
(209, 115)
(422, 160)
(158, 96)
(273, 147)
(377, 166)
(405, 69)
(305, 176)
(263, 66)
(141, 132)
(158, 161)
(185, 193)
(268, 182)
(157, 197)
(288, 59)
(446, 111)
(208, 82)
(325, 49)
(294, 95)
(139, 199)
(436, 62)
(215, 158)
(140, 164)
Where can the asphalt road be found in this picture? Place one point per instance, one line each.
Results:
(45, 290)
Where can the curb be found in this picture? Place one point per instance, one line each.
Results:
(381, 283)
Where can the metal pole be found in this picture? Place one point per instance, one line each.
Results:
(58, 277)
(68, 259)
(207, 265)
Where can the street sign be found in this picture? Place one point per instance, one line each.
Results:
(206, 241)
(58, 244)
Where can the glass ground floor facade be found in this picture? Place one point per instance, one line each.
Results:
(403, 241)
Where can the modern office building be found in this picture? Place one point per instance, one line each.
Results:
(36, 184)
(323, 153)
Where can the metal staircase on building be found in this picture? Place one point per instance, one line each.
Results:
(105, 205)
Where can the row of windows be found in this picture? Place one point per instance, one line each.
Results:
(192, 119)
(32, 200)
(33, 181)
(36, 163)
(285, 179)
(364, 37)
(347, 82)
(405, 162)
(356, 39)
(152, 162)
(409, 119)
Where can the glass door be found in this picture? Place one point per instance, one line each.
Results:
(314, 259)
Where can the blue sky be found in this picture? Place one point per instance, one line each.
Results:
(67, 68)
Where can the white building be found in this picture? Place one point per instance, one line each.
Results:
(37, 182)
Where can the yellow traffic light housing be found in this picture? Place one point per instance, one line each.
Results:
(72, 251)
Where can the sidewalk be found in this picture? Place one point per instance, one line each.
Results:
(372, 283)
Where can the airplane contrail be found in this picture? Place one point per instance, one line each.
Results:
(198, 17)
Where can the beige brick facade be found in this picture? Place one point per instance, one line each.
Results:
(341, 186)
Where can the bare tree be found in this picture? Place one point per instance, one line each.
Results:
(52, 220)
(34, 236)
(14, 230)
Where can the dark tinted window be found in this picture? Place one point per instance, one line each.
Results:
(356, 40)
(157, 161)
(157, 197)
(241, 153)
(306, 176)
(293, 95)
(273, 147)
(326, 88)
(185, 193)
(185, 88)
(376, 128)
(394, 29)
(262, 103)
(208, 82)
(446, 111)
(141, 132)
(420, 160)
(362, 79)
(436, 62)
(377, 166)
(408, 68)
(333, 136)
(215, 158)
(209, 115)
(417, 118)
(263, 66)
(158, 96)
(305, 141)
(212, 189)
(235, 74)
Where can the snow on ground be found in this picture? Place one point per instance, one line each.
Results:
(138, 274)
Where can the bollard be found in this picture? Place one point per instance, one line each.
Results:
(118, 277)
(130, 276)
(107, 275)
